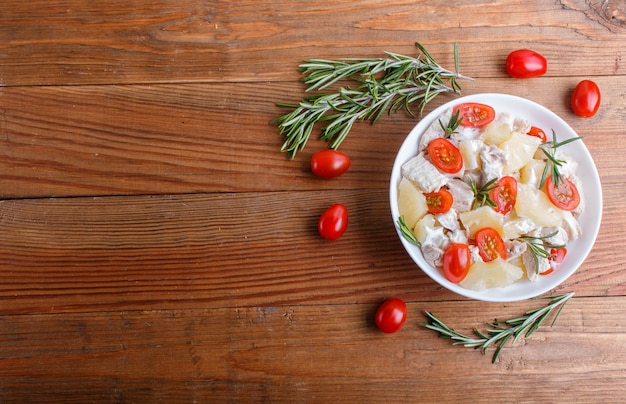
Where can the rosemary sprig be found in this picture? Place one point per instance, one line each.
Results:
(539, 246)
(500, 332)
(453, 124)
(382, 85)
(552, 163)
(406, 232)
(481, 194)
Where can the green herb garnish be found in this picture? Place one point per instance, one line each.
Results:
(406, 232)
(481, 194)
(538, 246)
(552, 163)
(382, 85)
(500, 332)
(453, 124)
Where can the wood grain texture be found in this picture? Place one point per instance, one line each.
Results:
(156, 247)
(307, 353)
(206, 251)
(114, 140)
(116, 41)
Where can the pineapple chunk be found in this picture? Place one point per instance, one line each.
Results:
(480, 218)
(423, 227)
(497, 132)
(519, 149)
(531, 173)
(494, 274)
(470, 150)
(519, 226)
(517, 261)
(411, 202)
(535, 205)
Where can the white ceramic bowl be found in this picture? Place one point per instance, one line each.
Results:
(577, 250)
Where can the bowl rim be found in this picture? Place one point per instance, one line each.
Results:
(590, 219)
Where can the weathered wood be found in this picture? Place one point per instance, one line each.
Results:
(249, 249)
(103, 140)
(116, 41)
(316, 353)
(156, 247)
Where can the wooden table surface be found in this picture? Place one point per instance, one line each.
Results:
(156, 246)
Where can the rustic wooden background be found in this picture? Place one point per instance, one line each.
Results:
(155, 245)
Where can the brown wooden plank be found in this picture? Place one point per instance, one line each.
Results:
(78, 42)
(316, 353)
(216, 250)
(103, 140)
(156, 247)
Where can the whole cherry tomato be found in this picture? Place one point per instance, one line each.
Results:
(445, 156)
(333, 222)
(329, 163)
(391, 315)
(525, 63)
(439, 201)
(456, 262)
(504, 194)
(564, 196)
(474, 114)
(585, 99)
(490, 244)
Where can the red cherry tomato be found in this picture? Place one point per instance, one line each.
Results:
(504, 194)
(557, 255)
(565, 196)
(525, 63)
(445, 156)
(490, 244)
(456, 262)
(585, 99)
(333, 222)
(439, 202)
(329, 163)
(474, 114)
(391, 315)
(536, 132)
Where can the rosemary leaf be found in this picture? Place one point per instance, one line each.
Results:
(501, 332)
(551, 168)
(481, 195)
(453, 124)
(406, 232)
(539, 247)
(380, 85)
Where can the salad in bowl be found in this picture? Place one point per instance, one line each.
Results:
(495, 197)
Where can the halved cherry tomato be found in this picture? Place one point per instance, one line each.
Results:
(504, 194)
(585, 99)
(329, 163)
(557, 255)
(333, 222)
(537, 132)
(456, 262)
(391, 315)
(439, 202)
(445, 156)
(474, 114)
(490, 244)
(565, 196)
(526, 63)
